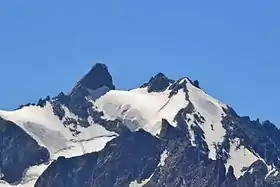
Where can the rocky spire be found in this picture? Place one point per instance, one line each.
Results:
(158, 83)
(97, 77)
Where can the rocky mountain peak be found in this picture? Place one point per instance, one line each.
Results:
(157, 83)
(97, 77)
(187, 138)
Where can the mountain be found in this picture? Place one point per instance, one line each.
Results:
(164, 133)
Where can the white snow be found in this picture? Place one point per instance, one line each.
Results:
(239, 157)
(191, 132)
(163, 157)
(140, 109)
(212, 110)
(272, 172)
(31, 176)
(251, 170)
(41, 124)
(5, 184)
(136, 184)
(142, 183)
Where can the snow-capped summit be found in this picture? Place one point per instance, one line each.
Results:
(164, 133)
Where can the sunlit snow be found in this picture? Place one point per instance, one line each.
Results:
(140, 109)
(41, 124)
(240, 157)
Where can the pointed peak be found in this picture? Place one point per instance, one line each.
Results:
(97, 77)
(158, 83)
(160, 74)
(99, 66)
(181, 83)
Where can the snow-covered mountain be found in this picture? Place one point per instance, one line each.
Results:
(164, 133)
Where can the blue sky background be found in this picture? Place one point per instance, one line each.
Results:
(231, 47)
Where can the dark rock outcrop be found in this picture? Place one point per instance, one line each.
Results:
(261, 138)
(133, 156)
(18, 152)
(97, 77)
(254, 176)
(196, 83)
(169, 132)
(178, 85)
(158, 83)
(79, 104)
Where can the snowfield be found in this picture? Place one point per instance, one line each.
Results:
(240, 157)
(140, 109)
(46, 128)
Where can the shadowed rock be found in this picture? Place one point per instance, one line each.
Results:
(18, 152)
(157, 83)
(97, 77)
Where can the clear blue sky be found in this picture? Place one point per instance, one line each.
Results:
(231, 47)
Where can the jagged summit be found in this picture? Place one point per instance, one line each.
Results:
(97, 77)
(158, 83)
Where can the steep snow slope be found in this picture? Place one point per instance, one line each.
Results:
(212, 111)
(32, 174)
(240, 157)
(140, 109)
(50, 132)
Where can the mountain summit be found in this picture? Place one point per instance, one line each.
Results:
(164, 133)
(157, 83)
(97, 77)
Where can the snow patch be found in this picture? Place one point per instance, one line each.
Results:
(141, 184)
(191, 132)
(41, 124)
(136, 184)
(240, 157)
(163, 157)
(212, 111)
(30, 178)
(272, 172)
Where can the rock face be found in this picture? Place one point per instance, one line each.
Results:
(97, 77)
(18, 152)
(158, 83)
(263, 138)
(123, 160)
